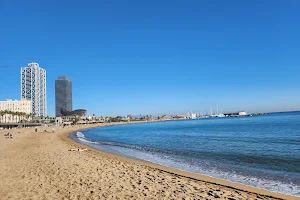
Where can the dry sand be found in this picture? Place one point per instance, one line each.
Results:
(40, 166)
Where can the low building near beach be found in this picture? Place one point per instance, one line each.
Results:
(58, 121)
(236, 114)
(242, 113)
(14, 111)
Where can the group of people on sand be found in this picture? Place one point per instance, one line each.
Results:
(36, 130)
(9, 136)
(78, 149)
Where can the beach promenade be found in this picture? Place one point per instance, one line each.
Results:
(40, 166)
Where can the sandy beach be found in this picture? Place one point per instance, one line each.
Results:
(40, 166)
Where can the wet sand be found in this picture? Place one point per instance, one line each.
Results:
(40, 166)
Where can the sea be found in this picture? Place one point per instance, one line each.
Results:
(259, 151)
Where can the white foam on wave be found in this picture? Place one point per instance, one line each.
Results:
(80, 136)
(178, 163)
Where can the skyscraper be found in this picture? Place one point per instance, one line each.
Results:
(33, 87)
(63, 95)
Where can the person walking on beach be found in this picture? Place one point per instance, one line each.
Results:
(52, 130)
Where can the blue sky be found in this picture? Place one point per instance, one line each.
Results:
(157, 57)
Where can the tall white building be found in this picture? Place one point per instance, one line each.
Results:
(18, 107)
(33, 87)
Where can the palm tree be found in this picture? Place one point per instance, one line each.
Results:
(10, 114)
(5, 112)
(76, 120)
(16, 115)
(22, 116)
(2, 113)
(31, 116)
(27, 116)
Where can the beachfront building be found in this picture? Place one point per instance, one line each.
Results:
(33, 87)
(63, 95)
(242, 113)
(14, 111)
(126, 118)
(58, 121)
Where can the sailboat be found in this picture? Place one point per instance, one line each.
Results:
(221, 114)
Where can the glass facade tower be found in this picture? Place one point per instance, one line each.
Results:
(63, 95)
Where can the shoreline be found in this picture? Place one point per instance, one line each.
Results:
(41, 166)
(185, 174)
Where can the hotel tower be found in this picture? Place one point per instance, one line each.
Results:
(33, 87)
(63, 95)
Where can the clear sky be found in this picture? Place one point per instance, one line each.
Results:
(158, 56)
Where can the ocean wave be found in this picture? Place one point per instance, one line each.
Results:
(136, 147)
(203, 155)
(80, 136)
